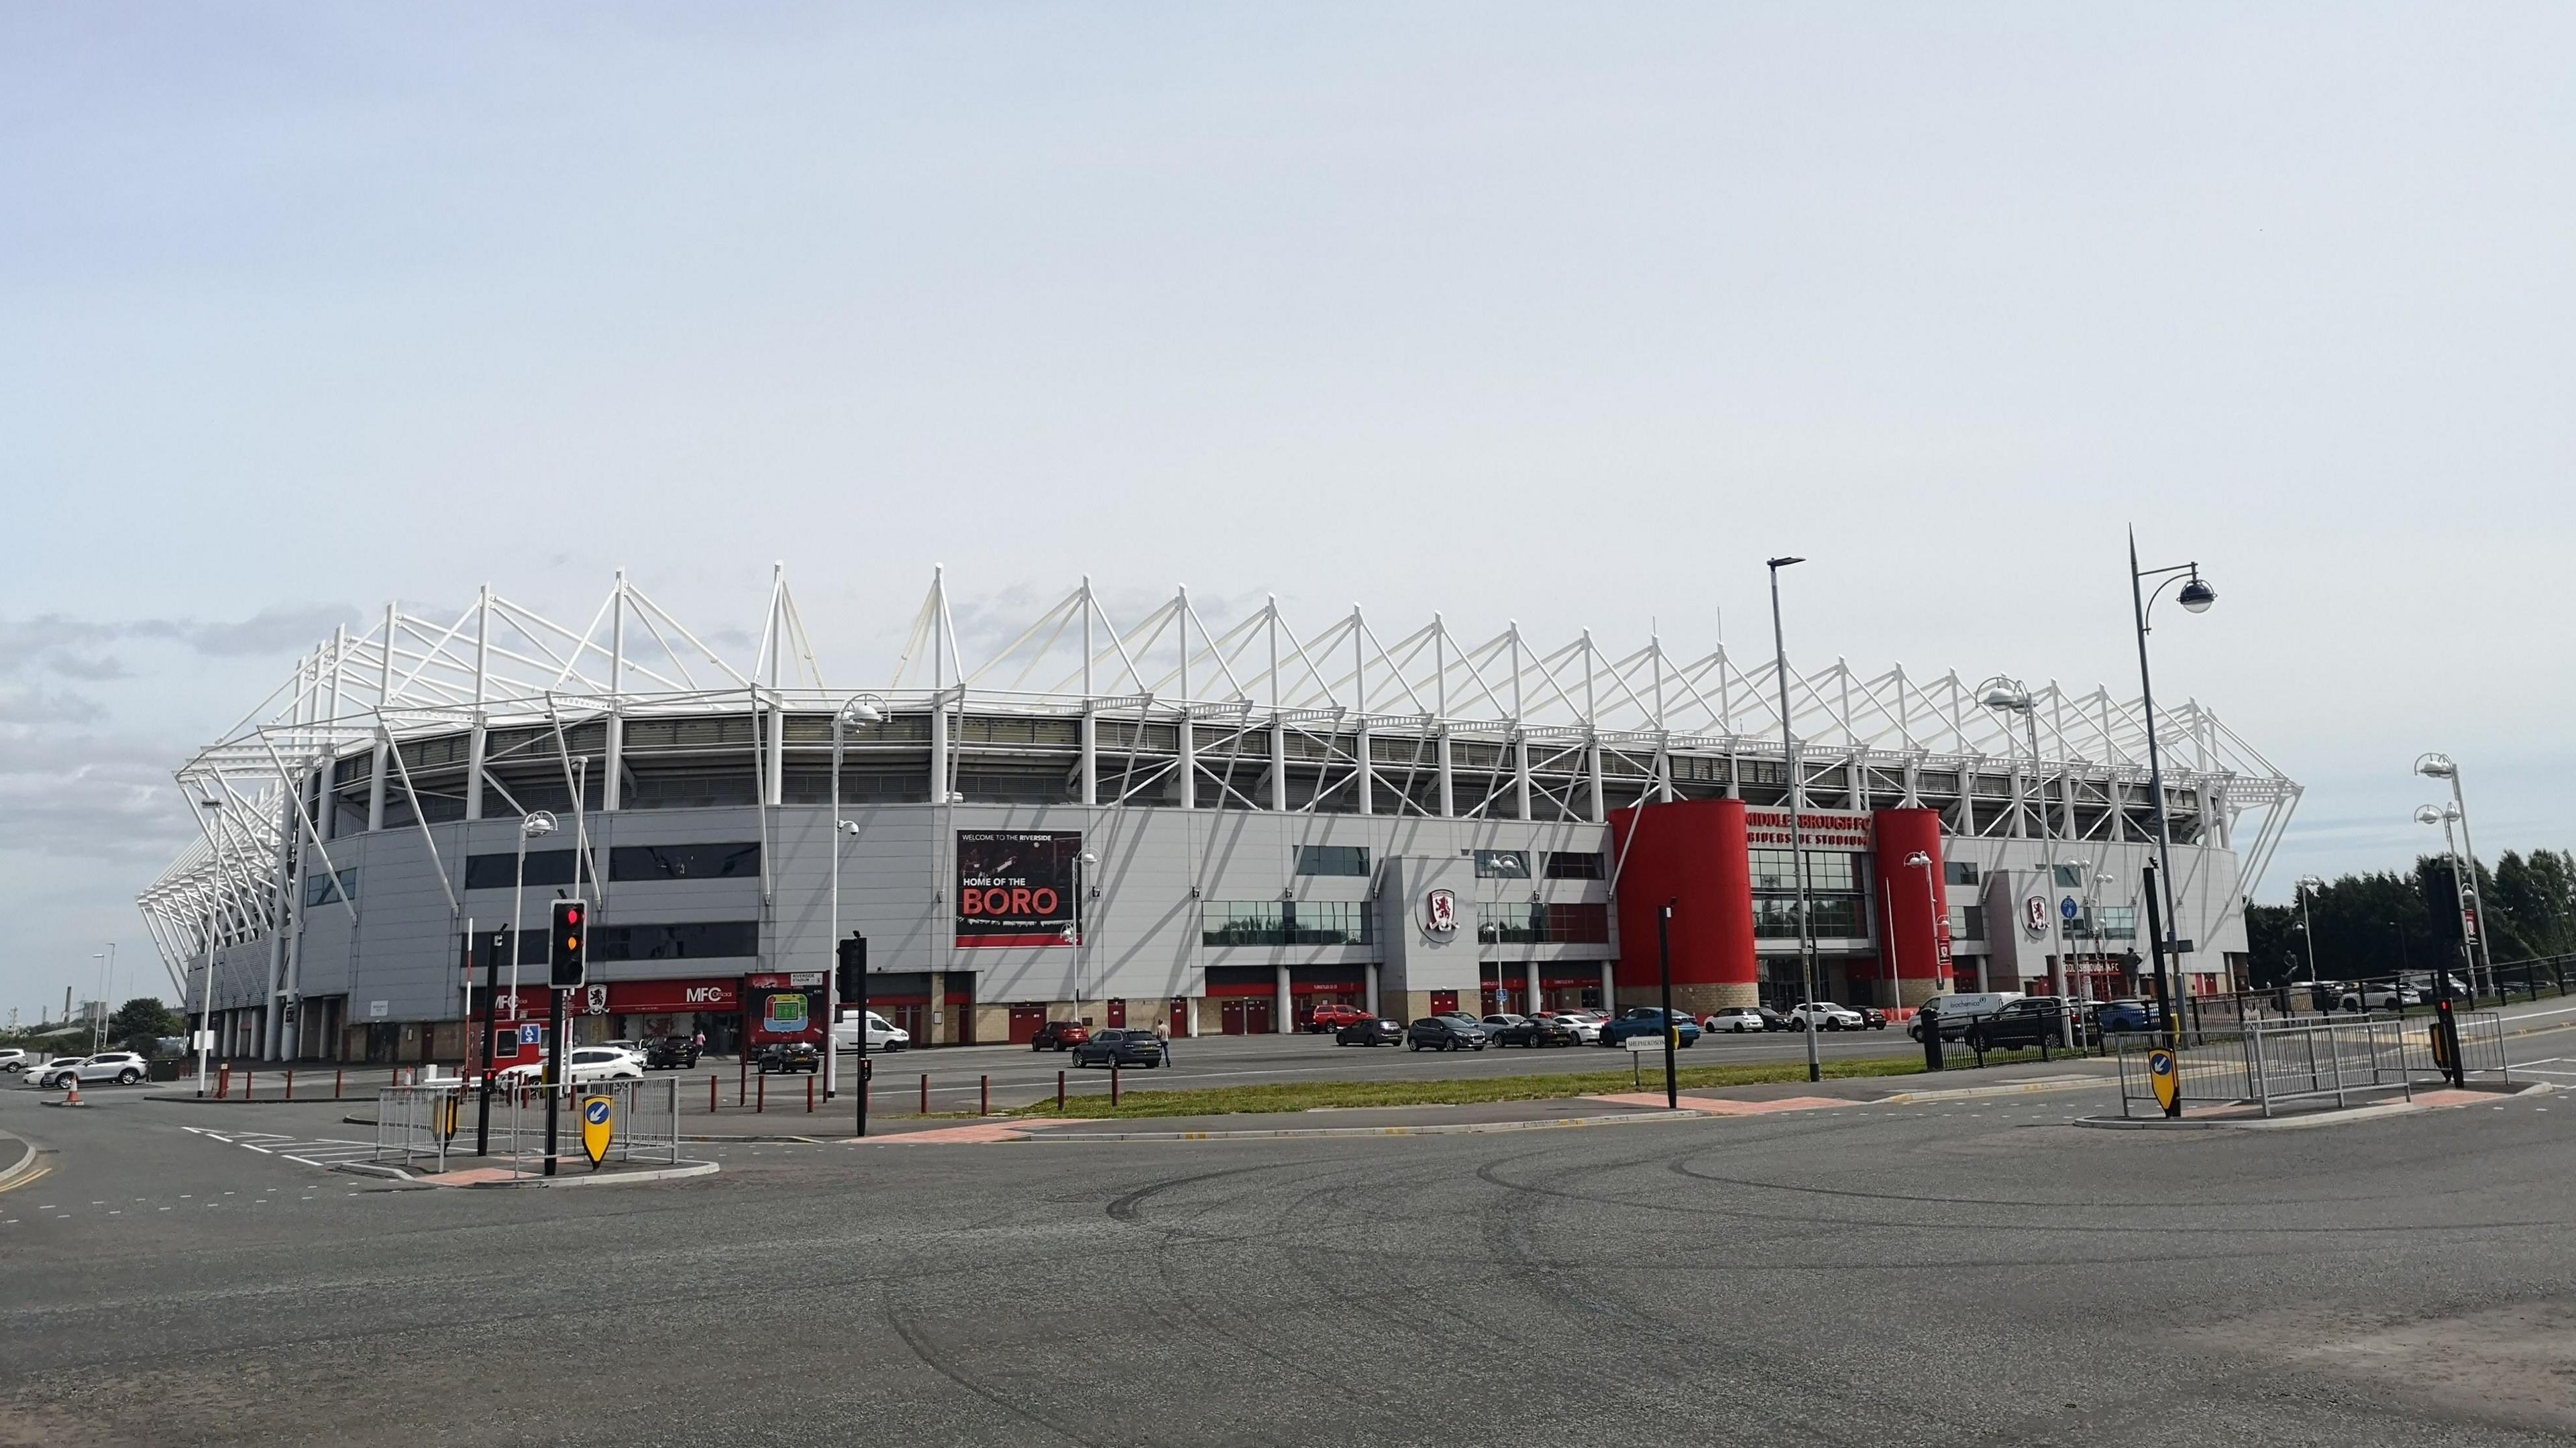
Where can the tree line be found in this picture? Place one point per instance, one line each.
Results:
(2380, 923)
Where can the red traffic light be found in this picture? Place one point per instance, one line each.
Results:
(572, 915)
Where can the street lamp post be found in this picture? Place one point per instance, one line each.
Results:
(2196, 596)
(861, 709)
(206, 987)
(2308, 886)
(2011, 696)
(1797, 806)
(2439, 766)
(1082, 864)
(106, 990)
(2449, 1024)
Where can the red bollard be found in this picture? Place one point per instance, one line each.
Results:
(337, 1072)
(809, 1095)
(1059, 1090)
(711, 1093)
(925, 1093)
(763, 1103)
(984, 1107)
(247, 1076)
(742, 1086)
(1113, 1081)
(223, 1080)
(290, 1083)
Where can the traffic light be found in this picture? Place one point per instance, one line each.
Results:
(846, 980)
(571, 939)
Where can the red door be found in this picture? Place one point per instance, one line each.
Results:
(1180, 1017)
(1025, 1021)
(913, 1018)
(1256, 1017)
(1444, 1002)
(1118, 1013)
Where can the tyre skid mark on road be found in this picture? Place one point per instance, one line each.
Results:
(939, 1363)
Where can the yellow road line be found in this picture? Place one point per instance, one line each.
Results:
(31, 1176)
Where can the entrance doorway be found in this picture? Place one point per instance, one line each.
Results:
(1444, 1002)
(1246, 1017)
(1180, 1017)
(1025, 1021)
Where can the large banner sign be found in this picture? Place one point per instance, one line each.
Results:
(1015, 887)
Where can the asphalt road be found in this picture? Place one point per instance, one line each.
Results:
(1973, 1272)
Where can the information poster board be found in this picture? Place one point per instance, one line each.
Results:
(1016, 887)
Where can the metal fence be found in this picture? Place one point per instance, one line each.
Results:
(418, 1123)
(2271, 1063)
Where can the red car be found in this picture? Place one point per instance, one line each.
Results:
(1059, 1036)
(1333, 1015)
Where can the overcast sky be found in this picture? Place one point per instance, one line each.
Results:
(1568, 314)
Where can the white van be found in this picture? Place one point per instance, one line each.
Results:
(1956, 1011)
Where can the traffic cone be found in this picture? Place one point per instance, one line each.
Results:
(71, 1091)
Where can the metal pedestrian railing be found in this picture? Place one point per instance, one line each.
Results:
(418, 1123)
(421, 1124)
(2269, 1064)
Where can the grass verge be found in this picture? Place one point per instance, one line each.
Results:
(1309, 1095)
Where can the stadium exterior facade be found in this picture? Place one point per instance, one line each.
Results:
(1216, 829)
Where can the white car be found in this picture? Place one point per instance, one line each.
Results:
(122, 1067)
(1736, 1019)
(883, 1035)
(1586, 1024)
(15, 1059)
(2380, 996)
(588, 1064)
(1824, 1016)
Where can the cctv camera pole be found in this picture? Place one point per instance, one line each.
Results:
(491, 1034)
(1797, 805)
(1664, 962)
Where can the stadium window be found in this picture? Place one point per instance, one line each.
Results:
(2068, 877)
(702, 940)
(323, 889)
(1959, 872)
(1575, 865)
(1502, 864)
(683, 862)
(1333, 860)
(499, 872)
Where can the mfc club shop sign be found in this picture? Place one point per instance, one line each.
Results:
(1016, 887)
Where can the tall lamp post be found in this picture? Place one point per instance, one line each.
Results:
(2440, 980)
(2308, 886)
(106, 990)
(2196, 595)
(536, 825)
(863, 710)
(206, 987)
(1082, 864)
(2010, 696)
(2439, 766)
(1932, 904)
(1797, 806)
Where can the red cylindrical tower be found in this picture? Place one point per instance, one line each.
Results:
(1914, 902)
(1692, 853)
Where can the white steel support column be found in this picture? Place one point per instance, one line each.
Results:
(1283, 1017)
(329, 775)
(482, 682)
(269, 1018)
(384, 737)
(1090, 707)
(1520, 735)
(1592, 764)
(1278, 764)
(1530, 1002)
(1373, 1007)
(1368, 769)
(1189, 735)
(612, 783)
(1448, 781)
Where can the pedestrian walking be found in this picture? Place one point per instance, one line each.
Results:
(1163, 1038)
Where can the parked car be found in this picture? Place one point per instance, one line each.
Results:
(122, 1067)
(1586, 1025)
(1536, 1031)
(16, 1059)
(1333, 1015)
(1823, 1016)
(1446, 1033)
(632, 1048)
(1494, 1023)
(669, 1053)
(1734, 1020)
(1872, 1018)
(2125, 1015)
(1120, 1047)
(2423, 983)
(1059, 1036)
(1648, 1021)
(1370, 1031)
(2025, 1022)
(883, 1035)
(2379, 995)
(585, 1065)
(782, 1056)
(1957, 1010)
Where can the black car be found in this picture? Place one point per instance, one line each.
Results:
(1374, 1031)
(669, 1053)
(1445, 1033)
(787, 1056)
(2021, 1023)
(1119, 1048)
(1872, 1018)
(1537, 1031)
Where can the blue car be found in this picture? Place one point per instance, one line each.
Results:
(2128, 1016)
(1647, 1021)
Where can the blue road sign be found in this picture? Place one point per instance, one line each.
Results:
(597, 1111)
(2067, 909)
(532, 1035)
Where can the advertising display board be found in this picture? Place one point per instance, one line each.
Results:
(1016, 887)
